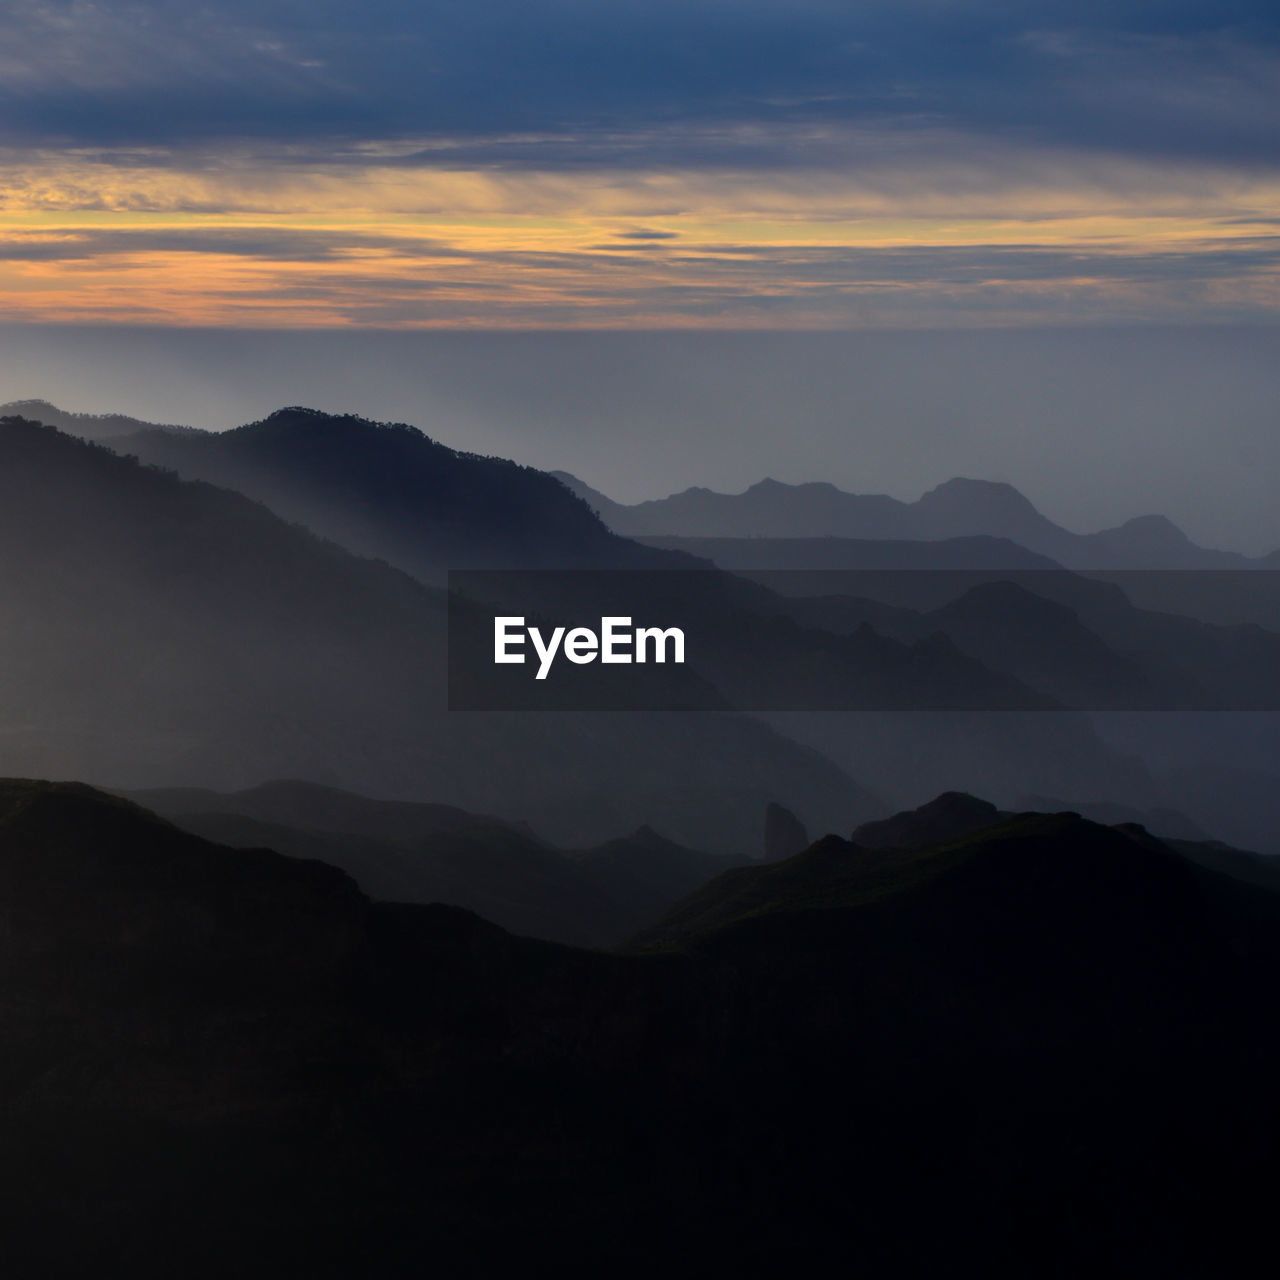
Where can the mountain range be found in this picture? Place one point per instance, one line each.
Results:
(958, 508)
(161, 632)
(230, 647)
(217, 664)
(336, 980)
(338, 482)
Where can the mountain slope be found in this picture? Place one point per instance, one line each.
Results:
(390, 492)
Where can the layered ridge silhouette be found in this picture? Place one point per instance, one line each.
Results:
(163, 632)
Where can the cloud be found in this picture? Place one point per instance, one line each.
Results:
(306, 277)
(735, 162)
(647, 233)
(566, 83)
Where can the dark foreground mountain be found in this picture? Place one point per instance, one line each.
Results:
(958, 508)
(1048, 1049)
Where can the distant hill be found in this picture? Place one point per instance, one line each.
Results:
(814, 556)
(88, 426)
(1081, 642)
(404, 852)
(958, 508)
(1051, 1041)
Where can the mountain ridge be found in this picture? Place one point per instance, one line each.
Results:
(88, 426)
(957, 508)
(391, 492)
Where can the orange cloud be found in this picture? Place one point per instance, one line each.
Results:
(366, 242)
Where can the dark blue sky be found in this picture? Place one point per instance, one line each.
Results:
(628, 80)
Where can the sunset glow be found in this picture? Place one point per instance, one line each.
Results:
(94, 242)
(777, 166)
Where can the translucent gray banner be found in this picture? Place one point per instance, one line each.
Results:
(882, 640)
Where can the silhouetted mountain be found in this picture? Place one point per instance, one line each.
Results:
(88, 426)
(1166, 824)
(939, 846)
(1046, 645)
(1085, 645)
(950, 816)
(958, 508)
(1051, 1042)
(487, 867)
(610, 512)
(404, 852)
(171, 633)
(301, 804)
(301, 464)
(908, 756)
(1080, 642)
(388, 491)
(818, 567)
(645, 874)
(816, 558)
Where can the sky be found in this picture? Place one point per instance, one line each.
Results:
(610, 163)
(667, 243)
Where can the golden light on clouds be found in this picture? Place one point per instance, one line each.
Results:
(365, 242)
